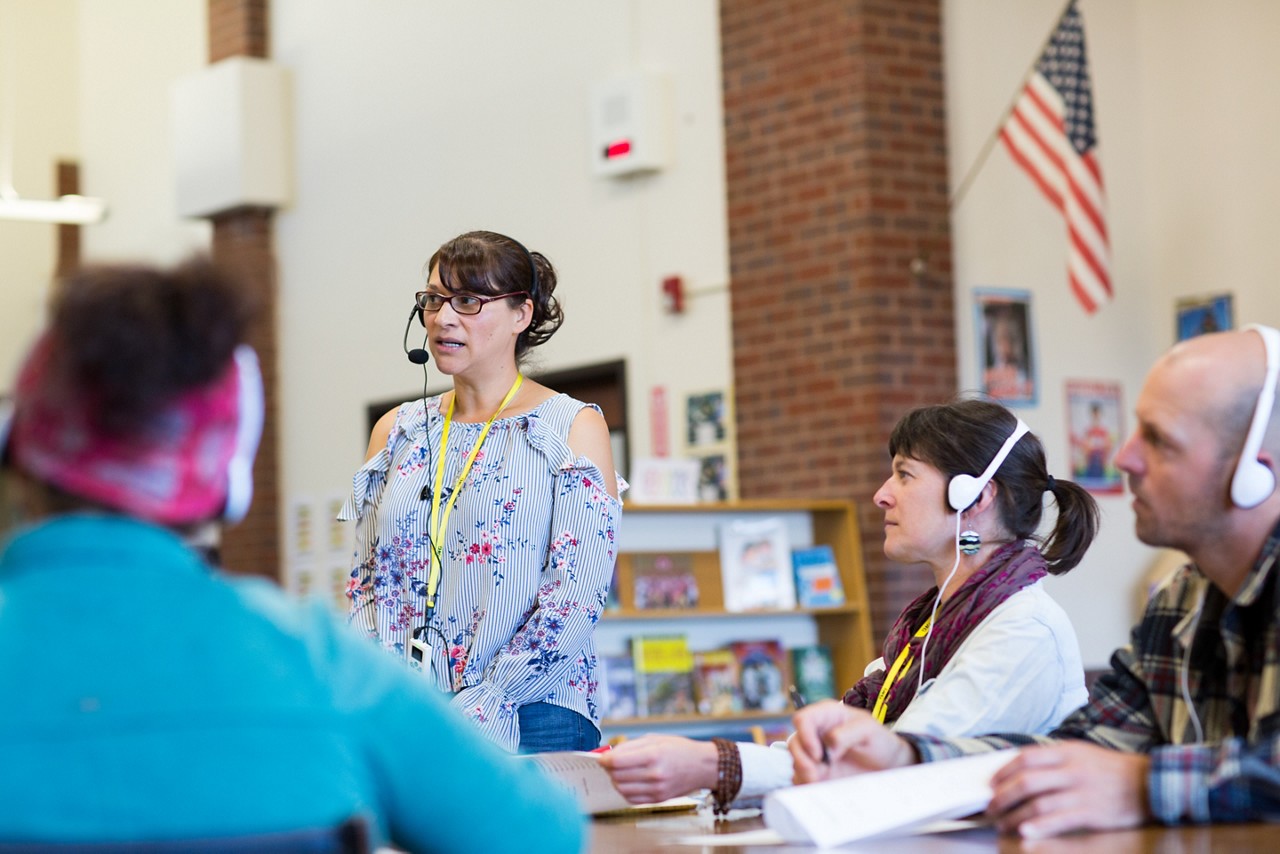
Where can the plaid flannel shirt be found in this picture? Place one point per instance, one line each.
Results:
(1233, 676)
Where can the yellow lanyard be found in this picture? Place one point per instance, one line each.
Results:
(439, 523)
(900, 666)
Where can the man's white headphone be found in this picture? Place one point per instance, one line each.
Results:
(1253, 481)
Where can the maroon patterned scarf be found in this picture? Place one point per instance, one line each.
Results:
(1010, 569)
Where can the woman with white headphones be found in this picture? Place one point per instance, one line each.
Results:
(986, 649)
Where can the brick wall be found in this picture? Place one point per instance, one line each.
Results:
(238, 28)
(243, 239)
(837, 191)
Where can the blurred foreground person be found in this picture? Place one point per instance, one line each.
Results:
(146, 697)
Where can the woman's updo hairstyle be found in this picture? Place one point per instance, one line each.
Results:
(487, 263)
(962, 437)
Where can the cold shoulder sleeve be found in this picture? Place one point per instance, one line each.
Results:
(550, 650)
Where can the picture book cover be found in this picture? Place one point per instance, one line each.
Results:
(812, 672)
(619, 687)
(715, 682)
(818, 581)
(664, 675)
(664, 581)
(612, 602)
(755, 565)
(763, 675)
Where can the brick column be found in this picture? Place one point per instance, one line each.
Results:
(837, 190)
(67, 181)
(243, 239)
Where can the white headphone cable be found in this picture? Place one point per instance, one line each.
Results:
(1184, 679)
(924, 647)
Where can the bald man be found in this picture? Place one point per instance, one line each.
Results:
(1186, 725)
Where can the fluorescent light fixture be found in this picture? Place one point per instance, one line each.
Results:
(69, 210)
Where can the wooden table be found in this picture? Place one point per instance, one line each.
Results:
(656, 832)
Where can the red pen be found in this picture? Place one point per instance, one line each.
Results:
(604, 748)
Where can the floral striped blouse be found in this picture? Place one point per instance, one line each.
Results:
(528, 556)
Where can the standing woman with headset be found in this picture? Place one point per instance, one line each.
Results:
(487, 516)
(985, 649)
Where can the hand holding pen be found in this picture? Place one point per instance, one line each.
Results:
(834, 740)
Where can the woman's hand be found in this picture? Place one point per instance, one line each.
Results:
(657, 767)
(834, 740)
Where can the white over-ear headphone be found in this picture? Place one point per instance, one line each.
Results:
(1253, 481)
(250, 416)
(964, 489)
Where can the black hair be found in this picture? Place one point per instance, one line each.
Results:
(484, 262)
(131, 338)
(962, 437)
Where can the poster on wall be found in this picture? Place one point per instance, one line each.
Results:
(1198, 315)
(1095, 431)
(1006, 361)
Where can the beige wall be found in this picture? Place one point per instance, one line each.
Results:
(38, 125)
(416, 121)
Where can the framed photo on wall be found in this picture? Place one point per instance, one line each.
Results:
(1006, 355)
(1198, 315)
(709, 441)
(1095, 429)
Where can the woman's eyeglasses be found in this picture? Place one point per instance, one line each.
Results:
(462, 303)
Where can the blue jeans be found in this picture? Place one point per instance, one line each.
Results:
(545, 727)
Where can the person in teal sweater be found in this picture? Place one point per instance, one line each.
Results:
(146, 695)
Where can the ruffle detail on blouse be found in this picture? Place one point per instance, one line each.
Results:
(372, 473)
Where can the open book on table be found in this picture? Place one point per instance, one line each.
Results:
(583, 775)
(885, 802)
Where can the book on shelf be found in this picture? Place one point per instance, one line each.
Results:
(763, 675)
(664, 581)
(612, 601)
(715, 682)
(817, 577)
(812, 672)
(619, 687)
(755, 565)
(664, 675)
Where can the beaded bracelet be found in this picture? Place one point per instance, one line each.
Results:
(728, 775)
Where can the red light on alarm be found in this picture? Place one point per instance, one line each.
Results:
(621, 148)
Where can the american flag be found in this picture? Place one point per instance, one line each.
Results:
(1050, 134)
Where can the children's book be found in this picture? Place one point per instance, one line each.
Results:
(813, 673)
(817, 577)
(664, 675)
(755, 565)
(715, 682)
(762, 665)
(619, 687)
(612, 601)
(664, 581)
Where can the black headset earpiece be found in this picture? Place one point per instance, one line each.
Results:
(418, 355)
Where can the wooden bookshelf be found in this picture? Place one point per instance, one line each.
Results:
(692, 530)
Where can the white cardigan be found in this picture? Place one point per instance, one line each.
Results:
(1018, 671)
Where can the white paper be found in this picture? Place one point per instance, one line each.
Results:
(582, 774)
(887, 802)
